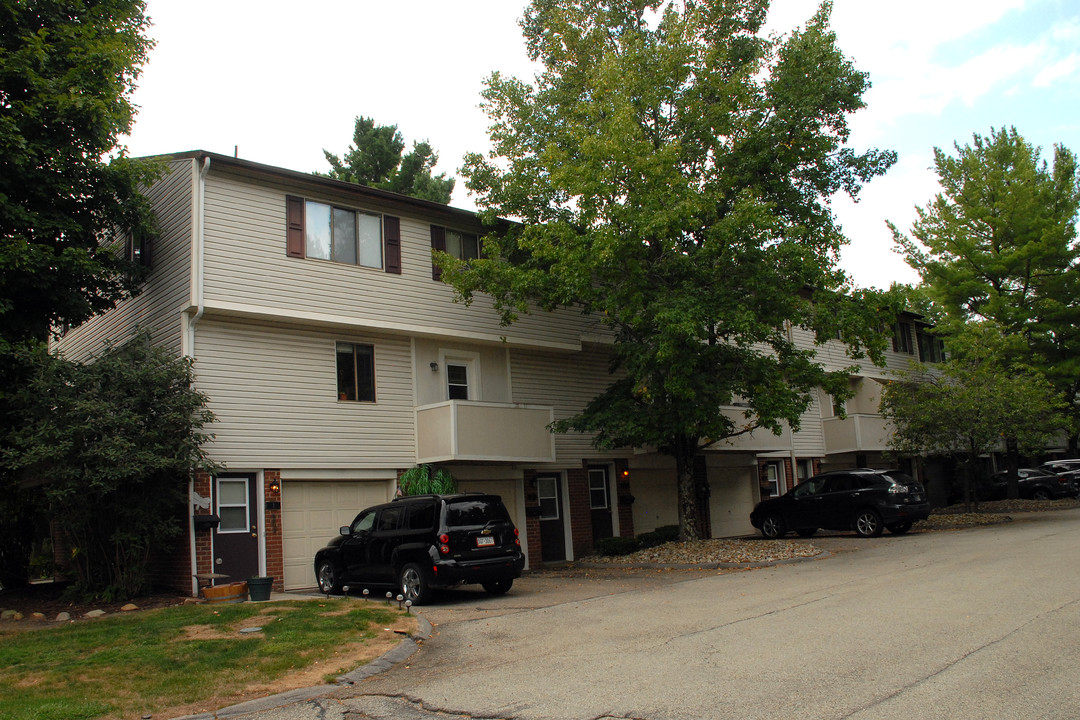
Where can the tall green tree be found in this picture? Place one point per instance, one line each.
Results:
(672, 168)
(67, 72)
(376, 159)
(965, 407)
(999, 244)
(109, 446)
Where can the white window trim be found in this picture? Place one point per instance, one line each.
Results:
(471, 360)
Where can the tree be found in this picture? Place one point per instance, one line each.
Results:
(110, 447)
(999, 244)
(967, 406)
(67, 72)
(672, 171)
(375, 159)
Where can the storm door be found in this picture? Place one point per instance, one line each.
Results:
(552, 528)
(236, 538)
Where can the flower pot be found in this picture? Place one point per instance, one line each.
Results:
(259, 588)
(235, 592)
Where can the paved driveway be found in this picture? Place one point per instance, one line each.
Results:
(981, 623)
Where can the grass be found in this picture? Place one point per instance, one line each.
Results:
(147, 662)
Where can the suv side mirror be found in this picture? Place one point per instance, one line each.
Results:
(345, 530)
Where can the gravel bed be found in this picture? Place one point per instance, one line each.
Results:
(758, 551)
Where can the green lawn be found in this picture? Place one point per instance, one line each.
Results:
(147, 662)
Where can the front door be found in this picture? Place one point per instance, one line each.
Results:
(552, 532)
(236, 538)
(600, 502)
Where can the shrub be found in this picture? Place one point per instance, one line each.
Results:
(616, 546)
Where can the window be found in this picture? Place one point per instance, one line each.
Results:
(137, 248)
(931, 349)
(345, 235)
(232, 502)
(364, 523)
(457, 381)
(342, 235)
(839, 407)
(356, 372)
(770, 480)
(390, 518)
(421, 517)
(598, 488)
(804, 468)
(547, 492)
(463, 246)
(902, 338)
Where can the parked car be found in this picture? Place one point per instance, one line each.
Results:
(422, 542)
(1033, 484)
(862, 500)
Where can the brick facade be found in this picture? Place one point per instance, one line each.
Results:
(275, 548)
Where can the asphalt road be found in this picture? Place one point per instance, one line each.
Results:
(979, 623)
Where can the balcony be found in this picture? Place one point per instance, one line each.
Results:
(480, 431)
(856, 433)
(760, 440)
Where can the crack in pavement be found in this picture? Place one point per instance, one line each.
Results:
(953, 663)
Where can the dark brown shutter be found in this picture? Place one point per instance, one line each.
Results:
(294, 220)
(438, 242)
(392, 243)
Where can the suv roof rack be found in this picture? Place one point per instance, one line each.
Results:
(436, 496)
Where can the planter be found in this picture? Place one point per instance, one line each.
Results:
(259, 588)
(230, 593)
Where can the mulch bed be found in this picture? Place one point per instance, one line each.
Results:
(48, 600)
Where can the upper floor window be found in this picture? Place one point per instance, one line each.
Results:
(457, 381)
(902, 338)
(343, 235)
(356, 372)
(462, 245)
(931, 349)
(329, 232)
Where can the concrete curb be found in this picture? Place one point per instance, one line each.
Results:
(398, 654)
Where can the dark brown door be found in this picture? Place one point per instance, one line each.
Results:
(236, 538)
(552, 529)
(600, 502)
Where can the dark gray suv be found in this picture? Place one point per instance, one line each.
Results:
(421, 542)
(866, 501)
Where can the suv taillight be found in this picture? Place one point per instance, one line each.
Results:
(899, 490)
(443, 547)
(517, 539)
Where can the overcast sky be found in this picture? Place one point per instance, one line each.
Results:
(279, 82)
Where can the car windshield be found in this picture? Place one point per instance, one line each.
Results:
(475, 511)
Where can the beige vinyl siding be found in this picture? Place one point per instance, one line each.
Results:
(810, 440)
(274, 392)
(165, 294)
(566, 382)
(246, 265)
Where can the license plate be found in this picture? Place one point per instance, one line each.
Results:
(485, 540)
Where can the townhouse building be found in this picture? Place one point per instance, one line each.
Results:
(335, 358)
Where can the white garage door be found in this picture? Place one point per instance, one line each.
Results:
(312, 512)
(731, 501)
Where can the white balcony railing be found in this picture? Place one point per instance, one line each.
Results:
(856, 433)
(471, 430)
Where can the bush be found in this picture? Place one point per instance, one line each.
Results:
(616, 546)
(659, 536)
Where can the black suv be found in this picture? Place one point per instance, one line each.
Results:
(860, 499)
(421, 542)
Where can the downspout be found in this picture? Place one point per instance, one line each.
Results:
(198, 244)
(197, 291)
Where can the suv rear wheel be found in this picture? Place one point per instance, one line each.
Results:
(413, 583)
(868, 524)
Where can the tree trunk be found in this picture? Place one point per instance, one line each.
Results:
(1012, 465)
(684, 452)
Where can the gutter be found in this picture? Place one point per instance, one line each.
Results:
(198, 242)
